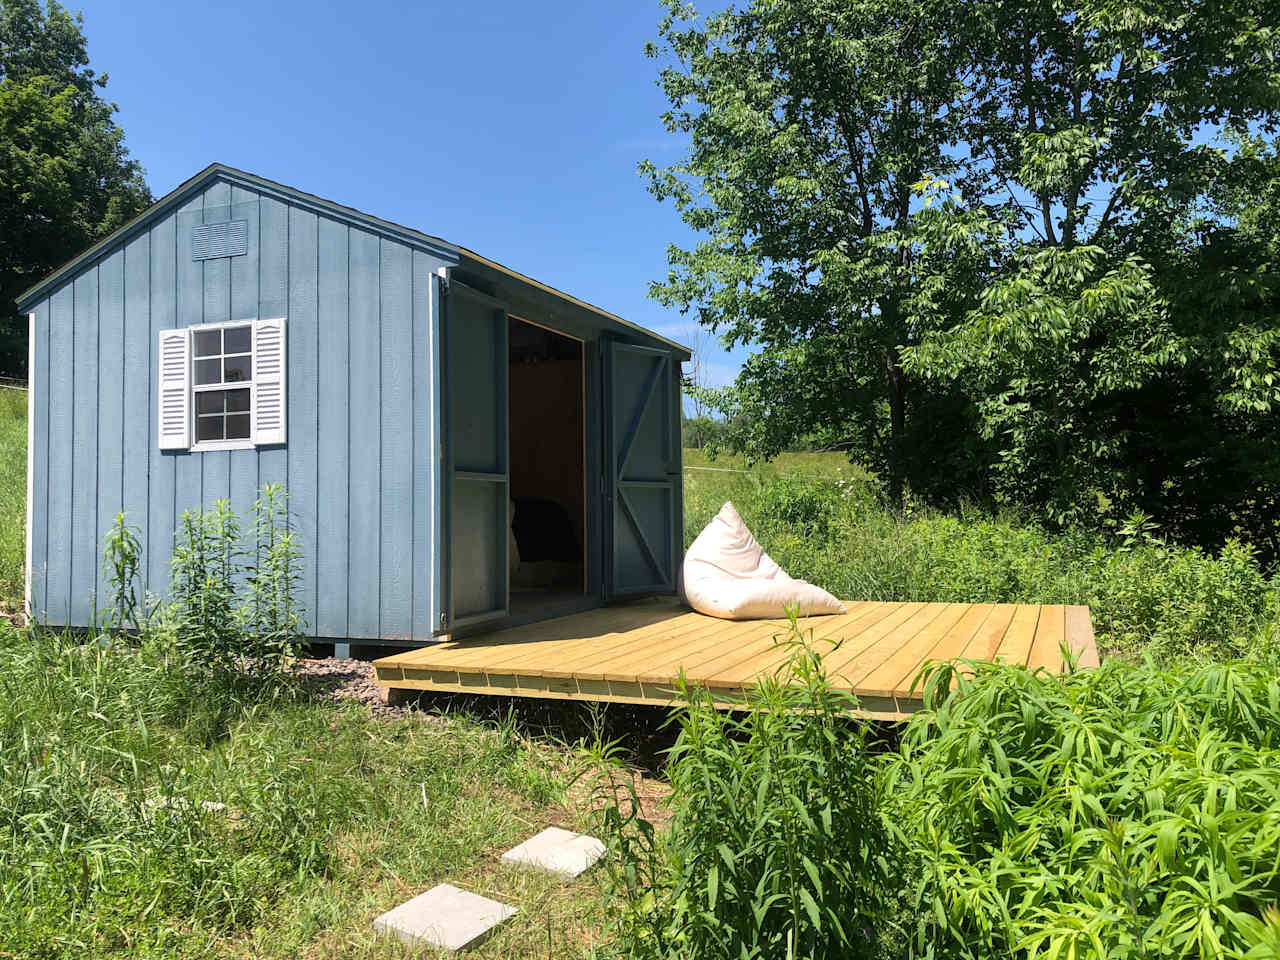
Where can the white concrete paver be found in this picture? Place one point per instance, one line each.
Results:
(445, 917)
(558, 851)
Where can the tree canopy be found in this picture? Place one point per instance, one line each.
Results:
(1022, 252)
(66, 177)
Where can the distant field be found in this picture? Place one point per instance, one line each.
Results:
(819, 464)
(13, 494)
(709, 483)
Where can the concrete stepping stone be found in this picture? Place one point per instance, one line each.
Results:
(557, 851)
(443, 917)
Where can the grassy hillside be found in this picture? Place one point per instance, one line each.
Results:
(13, 494)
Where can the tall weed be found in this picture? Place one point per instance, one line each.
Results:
(273, 614)
(13, 495)
(1121, 812)
(206, 562)
(235, 604)
(776, 847)
(121, 564)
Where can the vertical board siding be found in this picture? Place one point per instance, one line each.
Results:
(423, 451)
(39, 507)
(84, 446)
(188, 467)
(243, 464)
(110, 403)
(333, 352)
(136, 426)
(364, 426)
(302, 395)
(61, 340)
(360, 463)
(215, 482)
(396, 440)
(162, 475)
(217, 272)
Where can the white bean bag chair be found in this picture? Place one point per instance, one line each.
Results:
(727, 574)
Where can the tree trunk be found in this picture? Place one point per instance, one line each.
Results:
(897, 425)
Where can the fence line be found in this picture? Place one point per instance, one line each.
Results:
(720, 470)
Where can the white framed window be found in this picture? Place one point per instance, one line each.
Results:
(221, 385)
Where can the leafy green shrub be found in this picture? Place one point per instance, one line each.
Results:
(207, 558)
(273, 614)
(775, 847)
(214, 625)
(121, 563)
(1122, 812)
(1170, 601)
(804, 506)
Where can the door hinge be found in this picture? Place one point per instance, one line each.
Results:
(444, 620)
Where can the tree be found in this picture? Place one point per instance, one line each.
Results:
(809, 124)
(66, 177)
(1124, 356)
(976, 241)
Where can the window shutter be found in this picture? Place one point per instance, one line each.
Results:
(268, 381)
(173, 397)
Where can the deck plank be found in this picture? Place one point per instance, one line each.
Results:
(1046, 649)
(633, 653)
(885, 680)
(745, 670)
(847, 669)
(680, 641)
(757, 662)
(1079, 630)
(638, 664)
(750, 634)
(956, 640)
(636, 636)
(984, 644)
(551, 640)
(1019, 638)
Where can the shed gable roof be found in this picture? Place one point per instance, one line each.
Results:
(219, 171)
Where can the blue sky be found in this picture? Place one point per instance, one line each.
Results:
(512, 128)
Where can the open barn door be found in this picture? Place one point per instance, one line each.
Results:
(476, 471)
(642, 470)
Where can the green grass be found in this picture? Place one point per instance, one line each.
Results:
(13, 495)
(826, 464)
(333, 815)
(107, 757)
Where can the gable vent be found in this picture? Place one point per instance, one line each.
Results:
(212, 240)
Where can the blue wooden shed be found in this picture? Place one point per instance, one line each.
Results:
(464, 448)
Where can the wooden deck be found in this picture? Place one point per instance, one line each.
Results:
(632, 653)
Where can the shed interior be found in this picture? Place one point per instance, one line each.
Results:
(547, 438)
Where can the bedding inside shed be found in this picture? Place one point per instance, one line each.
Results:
(548, 486)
